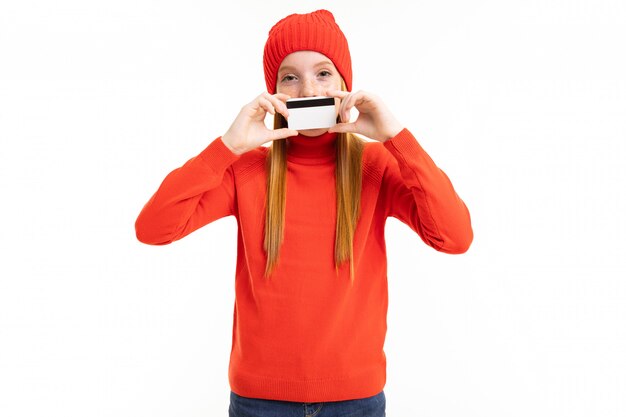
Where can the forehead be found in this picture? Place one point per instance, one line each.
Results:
(304, 59)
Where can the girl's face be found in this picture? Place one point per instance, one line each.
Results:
(308, 74)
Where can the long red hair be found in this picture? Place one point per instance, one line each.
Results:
(348, 185)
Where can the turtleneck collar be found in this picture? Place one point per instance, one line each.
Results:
(312, 150)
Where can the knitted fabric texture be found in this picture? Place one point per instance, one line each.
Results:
(306, 334)
(315, 31)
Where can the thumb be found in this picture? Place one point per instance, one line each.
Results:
(342, 128)
(283, 133)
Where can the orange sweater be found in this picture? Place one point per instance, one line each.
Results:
(306, 335)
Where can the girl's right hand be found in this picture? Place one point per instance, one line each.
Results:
(248, 131)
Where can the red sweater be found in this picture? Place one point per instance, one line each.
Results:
(306, 335)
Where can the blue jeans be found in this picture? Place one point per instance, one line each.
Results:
(254, 407)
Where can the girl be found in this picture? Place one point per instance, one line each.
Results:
(310, 311)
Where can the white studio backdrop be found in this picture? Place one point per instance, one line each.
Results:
(521, 103)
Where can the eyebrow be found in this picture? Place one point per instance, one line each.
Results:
(319, 64)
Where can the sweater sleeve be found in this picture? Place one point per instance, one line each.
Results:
(191, 196)
(420, 194)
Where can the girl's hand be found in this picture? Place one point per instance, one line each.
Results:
(375, 120)
(248, 131)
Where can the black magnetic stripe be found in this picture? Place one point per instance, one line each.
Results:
(329, 101)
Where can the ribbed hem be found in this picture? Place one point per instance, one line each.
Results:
(218, 156)
(404, 142)
(361, 385)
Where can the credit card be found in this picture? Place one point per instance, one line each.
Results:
(311, 112)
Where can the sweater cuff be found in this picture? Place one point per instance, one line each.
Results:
(217, 155)
(404, 142)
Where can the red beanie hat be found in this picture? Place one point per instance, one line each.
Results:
(315, 31)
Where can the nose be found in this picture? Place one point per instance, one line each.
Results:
(309, 88)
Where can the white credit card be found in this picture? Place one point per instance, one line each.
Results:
(311, 112)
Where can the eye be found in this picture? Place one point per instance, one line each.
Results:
(287, 78)
(326, 72)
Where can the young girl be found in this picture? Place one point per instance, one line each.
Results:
(310, 310)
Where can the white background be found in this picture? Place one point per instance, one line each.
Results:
(521, 103)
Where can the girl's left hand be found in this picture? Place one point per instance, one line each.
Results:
(375, 121)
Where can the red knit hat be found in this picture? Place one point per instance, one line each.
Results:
(315, 31)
